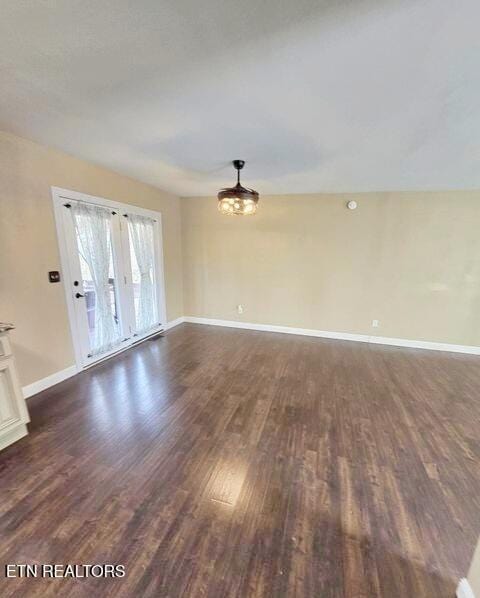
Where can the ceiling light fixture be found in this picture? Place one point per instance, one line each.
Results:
(238, 200)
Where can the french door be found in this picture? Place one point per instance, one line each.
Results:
(112, 265)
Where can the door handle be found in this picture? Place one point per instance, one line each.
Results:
(78, 295)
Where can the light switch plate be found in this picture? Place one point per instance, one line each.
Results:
(54, 276)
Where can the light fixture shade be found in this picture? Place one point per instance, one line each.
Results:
(238, 200)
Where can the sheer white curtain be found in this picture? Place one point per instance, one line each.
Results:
(93, 232)
(141, 231)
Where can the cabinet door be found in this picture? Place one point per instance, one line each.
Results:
(10, 412)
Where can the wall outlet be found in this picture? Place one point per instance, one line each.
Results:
(375, 323)
(240, 309)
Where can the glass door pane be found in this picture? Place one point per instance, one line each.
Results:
(98, 289)
(141, 242)
(112, 262)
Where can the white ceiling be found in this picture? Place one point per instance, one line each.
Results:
(315, 95)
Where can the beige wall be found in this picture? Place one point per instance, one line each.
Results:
(474, 573)
(410, 260)
(28, 247)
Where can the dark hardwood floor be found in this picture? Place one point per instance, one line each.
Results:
(219, 462)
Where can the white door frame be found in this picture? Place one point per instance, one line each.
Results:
(59, 198)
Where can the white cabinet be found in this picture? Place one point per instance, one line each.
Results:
(13, 410)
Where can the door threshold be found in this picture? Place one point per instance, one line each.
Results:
(135, 344)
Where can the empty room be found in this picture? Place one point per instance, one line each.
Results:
(239, 299)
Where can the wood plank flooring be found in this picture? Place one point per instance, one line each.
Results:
(219, 462)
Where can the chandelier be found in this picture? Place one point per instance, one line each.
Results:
(238, 200)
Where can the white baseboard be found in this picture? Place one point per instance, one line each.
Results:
(44, 383)
(35, 387)
(10, 437)
(346, 336)
(174, 323)
(464, 589)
